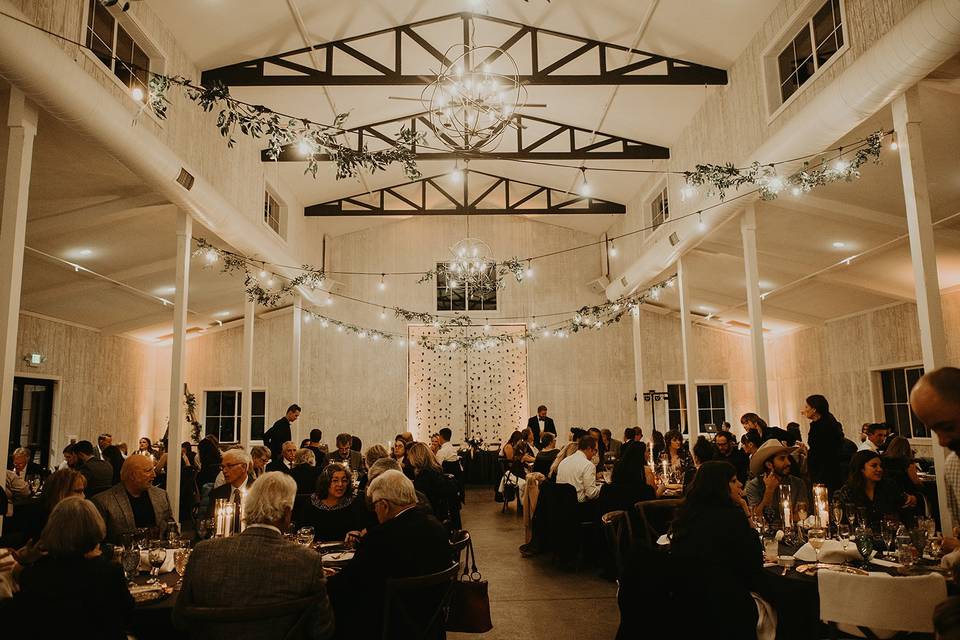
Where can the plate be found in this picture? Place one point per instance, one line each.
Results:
(342, 556)
(143, 594)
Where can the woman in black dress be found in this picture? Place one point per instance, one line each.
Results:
(335, 509)
(824, 441)
(867, 488)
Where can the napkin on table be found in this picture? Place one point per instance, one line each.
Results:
(830, 553)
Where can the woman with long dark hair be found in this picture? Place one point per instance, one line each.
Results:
(867, 488)
(676, 455)
(900, 466)
(629, 484)
(716, 551)
(824, 441)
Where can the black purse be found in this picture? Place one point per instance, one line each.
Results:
(469, 602)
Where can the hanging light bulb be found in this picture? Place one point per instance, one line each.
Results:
(700, 223)
(457, 174)
(534, 325)
(585, 189)
(612, 250)
(893, 143)
(687, 192)
(796, 191)
(271, 282)
(306, 146)
(529, 272)
(841, 165)
(211, 256)
(307, 318)
(382, 285)
(329, 300)
(137, 94)
(263, 274)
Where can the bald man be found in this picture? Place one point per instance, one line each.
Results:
(134, 502)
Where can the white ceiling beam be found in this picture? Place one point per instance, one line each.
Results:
(770, 311)
(87, 284)
(885, 289)
(149, 320)
(835, 209)
(104, 213)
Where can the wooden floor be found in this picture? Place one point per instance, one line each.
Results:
(531, 599)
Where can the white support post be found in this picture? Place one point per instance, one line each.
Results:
(178, 356)
(933, 342)
(748, 230)
(295, 363)
(246, 395)
(22, 126)
(638, 373)
(689, 356)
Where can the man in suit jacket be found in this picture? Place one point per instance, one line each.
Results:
(99, 473)
(280, 431)
(284, 461)
(345, 453)
(539, 424)
(258, 567)
(135, 502)
(236, 480)
(357, 592)
(23, 466)
(104, 440)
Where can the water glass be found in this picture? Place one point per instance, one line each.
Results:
(180, 558)
(864, 543)
(305, 536)
(906, 557)
(851, 510)
(936, 545)
(131, 562)
(816, 537)
(837, 507)
(801, 511)
(771, 548)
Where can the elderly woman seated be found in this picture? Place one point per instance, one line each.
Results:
(305, 471)
(334, 509)
(72, 580)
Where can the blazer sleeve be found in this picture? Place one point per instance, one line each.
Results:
(322, 613)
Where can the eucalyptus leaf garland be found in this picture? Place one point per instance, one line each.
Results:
(312, 139)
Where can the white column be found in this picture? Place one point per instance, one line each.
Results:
(689, 356)
(295, 364)
(906, 122)
(178, 356)
(638, 372)
(22, 126)
(246, 398)
(748, 230)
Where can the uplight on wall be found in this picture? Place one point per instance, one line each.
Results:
(34, 359)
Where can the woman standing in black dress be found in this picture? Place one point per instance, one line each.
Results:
(825, 441)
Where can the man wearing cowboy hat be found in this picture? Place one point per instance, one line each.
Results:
(770, 466)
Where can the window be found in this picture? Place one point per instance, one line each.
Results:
(896, 384)
(813, 44)
(271, 212)
(659, 210)
(458, 296)
(223, 410)
(116, 49)
(711, 406)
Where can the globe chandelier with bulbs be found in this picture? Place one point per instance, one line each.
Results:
(471, 263)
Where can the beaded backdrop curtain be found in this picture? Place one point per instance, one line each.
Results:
(477, 394)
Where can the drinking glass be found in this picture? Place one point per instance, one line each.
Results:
(843, 532)
(905, 557)
(837, 511)
(156, 556)
(888, 532)
(862, 515)
(816, 537)
(205, 528)
(305, 536)
(851, 510)
(936, 545)
(180, 557)
(771, 548)
(33, 481)
(131, 563)
(801, 509)
(864, 543)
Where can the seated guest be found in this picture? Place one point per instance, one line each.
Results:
(23, 466)
(13, 487)
(288, 453)
(236, 479)
(659, 444)
(676, 454)
(406, 543)
(259, 459)
(601, 449)
(567, 451)
(703, 451)
(428, 478)
(407, 437)
(135, 502)
(318, 448)
(728, 451)
(867, 488)
(876, 436)
(375, 453)
(447, 452)
(771, 467)
(548, 453)
(629, 484)
(69, 458)
(334, 509)
(399, 454)
(715, 551)
(345, 454)
(610, 444)
(145, 448)
(900, 466)
(220, 571)
(99, 473)
(111, 453)
(208, 450)
(578, 470)
(61, 484)
(356, 444)
(305, 471)
(753, 422)
(389, 464)
(750, 441)
(434, 443)
(71, 580)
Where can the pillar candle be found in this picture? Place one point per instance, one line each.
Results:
(787, 519)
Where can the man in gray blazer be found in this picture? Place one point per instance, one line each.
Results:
(98, 473)
(257, 568)
(135, 502)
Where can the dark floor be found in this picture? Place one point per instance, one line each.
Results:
(530, 598)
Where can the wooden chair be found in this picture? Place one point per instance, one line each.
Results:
(222, 622)
(402, 620)
(618, 532)
(655, 517)
(458, 543)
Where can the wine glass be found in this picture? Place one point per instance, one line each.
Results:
(888, 533)
(156, 556)
(837, 507)
(936, 545)
(851, 510)
(816, 537)
(33, 481)
(305, 536)
(180, 558)
(843, 532)
(130, 562)
(864, 544)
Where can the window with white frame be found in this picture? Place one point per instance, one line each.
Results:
(895, 387)
(659, 210)
(117, 49)
(454, 295)
(810, 46)
(271, 212)
(711, 407)
(222, 412)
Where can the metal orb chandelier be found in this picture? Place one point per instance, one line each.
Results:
(472, 264)
(473, 99)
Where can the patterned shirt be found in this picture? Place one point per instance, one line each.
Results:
(951, 479)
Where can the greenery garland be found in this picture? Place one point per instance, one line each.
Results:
(312, 139)
(719, 178)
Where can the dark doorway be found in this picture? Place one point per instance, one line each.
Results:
(31, 418)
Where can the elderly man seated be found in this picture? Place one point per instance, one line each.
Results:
(135, 502)
(284, 462)
(357, 592)
(257, 567)
(235, 468)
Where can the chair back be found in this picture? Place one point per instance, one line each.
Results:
(879, 603)
(225, 622)
(618, 532)
(400, 620)
(458, 543)
(655, 517)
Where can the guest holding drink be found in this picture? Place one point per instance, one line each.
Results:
(334, 509)
(867, 488)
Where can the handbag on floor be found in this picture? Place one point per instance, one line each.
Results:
(469, 602)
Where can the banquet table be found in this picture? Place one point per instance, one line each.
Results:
(482, 466)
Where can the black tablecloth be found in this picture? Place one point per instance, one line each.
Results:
(152, 620)
(482, 467)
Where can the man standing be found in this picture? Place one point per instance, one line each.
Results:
(284, 461)
(134, 503)
(99, 473)
(235, 466)
(540, 424)
(727, 447)
(280, 433)
(345, 453)
(220, 571)
(104, 440)
(771, 467)
(876, 436)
